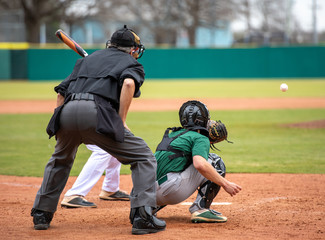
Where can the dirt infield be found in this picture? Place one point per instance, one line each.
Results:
(270, 206)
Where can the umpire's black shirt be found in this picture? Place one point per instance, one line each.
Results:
(102, 74)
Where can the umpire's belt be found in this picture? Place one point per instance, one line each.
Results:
(82, 96)
(162, 180)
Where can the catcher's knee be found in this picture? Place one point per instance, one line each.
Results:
(209, 190)
(217, 163)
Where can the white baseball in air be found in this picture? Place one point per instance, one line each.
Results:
(284, 87)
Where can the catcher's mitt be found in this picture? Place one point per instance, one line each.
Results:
(217, 132)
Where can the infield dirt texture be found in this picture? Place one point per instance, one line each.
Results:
(270, 206)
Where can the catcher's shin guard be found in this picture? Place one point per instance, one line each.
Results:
(209, 190)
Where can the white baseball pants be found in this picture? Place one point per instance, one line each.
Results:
(98, 162)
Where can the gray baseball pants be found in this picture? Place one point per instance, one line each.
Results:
(77, 125)
(180, 186)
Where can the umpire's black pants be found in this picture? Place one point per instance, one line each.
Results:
(77, 125)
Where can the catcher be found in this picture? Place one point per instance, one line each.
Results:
(185, 165)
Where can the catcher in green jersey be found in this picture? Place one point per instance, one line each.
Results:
(184, 163)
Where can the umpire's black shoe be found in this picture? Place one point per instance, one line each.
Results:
(41, 219)
(144, 222)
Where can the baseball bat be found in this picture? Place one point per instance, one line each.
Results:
(71, 43)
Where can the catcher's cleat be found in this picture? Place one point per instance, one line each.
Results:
(207, 216)
(76, 202)
(41, 219)
(117, 196)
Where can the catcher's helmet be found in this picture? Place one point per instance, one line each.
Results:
(126, 37)
(194, 113)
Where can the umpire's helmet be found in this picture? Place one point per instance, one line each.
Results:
(194, 113)
(126, 37)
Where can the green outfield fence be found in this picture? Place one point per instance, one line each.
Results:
(36, 64)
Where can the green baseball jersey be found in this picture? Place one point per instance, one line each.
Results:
(192, 143)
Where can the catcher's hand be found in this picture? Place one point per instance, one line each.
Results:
(217, 132)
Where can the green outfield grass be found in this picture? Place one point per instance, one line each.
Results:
(261, 143)
(193, 88)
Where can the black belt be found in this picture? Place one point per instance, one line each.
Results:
(82, 96)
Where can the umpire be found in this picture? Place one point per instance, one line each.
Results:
(93, 102)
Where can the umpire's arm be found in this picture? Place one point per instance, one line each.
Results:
(61, 89)
(127, 93)
(59, 100)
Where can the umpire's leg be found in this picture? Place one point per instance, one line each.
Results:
(74, 118)
(133, 151)
(57, 171)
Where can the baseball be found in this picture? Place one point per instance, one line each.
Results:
(284, 87)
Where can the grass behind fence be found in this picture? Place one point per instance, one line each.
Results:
(194, 88)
